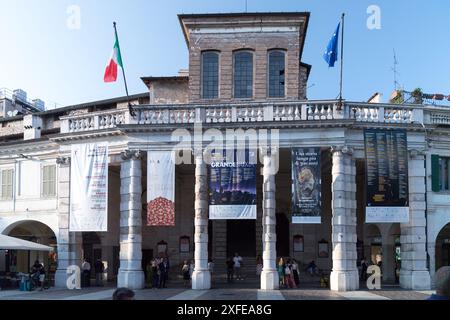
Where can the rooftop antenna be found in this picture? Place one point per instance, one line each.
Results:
(394, 69)
(246, 6)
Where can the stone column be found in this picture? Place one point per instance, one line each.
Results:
(432, 255)
(64, 256)
(201, 277)
(414, 273)
(130, 271)
(269, 274)
(344, 276)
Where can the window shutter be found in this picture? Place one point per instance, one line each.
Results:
(435, 186)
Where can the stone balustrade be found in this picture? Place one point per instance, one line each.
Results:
(279, 111)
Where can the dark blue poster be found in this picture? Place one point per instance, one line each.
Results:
(232, 187)
(306, 185)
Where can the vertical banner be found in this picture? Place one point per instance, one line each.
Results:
(306, 185)
(386, 176)
(232, 187)
(89, 188)
(161, 188)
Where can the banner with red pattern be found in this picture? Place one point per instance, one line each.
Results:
(161, 188)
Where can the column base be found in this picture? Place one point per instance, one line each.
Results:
(201, 280)
(131, 279)
(344, 280)
(270, 280)
(61, 278)
(415, 280)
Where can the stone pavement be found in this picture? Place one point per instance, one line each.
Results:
(222, 293)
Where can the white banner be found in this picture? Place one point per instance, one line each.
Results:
(89, 188)
(387, 214)
(161, 188)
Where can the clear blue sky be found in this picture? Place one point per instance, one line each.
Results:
(40, 54)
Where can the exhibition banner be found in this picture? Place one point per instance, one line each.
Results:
(89, 188)
(386, 176)
(232, 187)
(306, 185)
(161, 188)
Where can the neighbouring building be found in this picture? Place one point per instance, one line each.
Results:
(245, 74)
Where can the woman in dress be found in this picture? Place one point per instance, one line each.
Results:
(259, 265)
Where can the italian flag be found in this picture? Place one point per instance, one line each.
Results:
(114, 61)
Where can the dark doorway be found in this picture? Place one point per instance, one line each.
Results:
(445, 254)
(210, 239)
(241, 238)
(282, 235)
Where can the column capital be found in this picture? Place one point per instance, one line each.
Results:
(131, 155)
(416, 154)
(63, 160)
(342, 149)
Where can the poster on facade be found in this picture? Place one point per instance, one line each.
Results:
(161, 188)
(89, 188)
(232, 187)
(386, 176)
(306, 185)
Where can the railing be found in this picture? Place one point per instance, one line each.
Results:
(94, 121)
(288, 111)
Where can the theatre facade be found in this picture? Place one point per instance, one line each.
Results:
(326, 181)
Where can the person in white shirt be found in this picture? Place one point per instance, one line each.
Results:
(237, 266)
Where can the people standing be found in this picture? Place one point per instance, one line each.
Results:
(211, 267)
(230, 269)
(280, 269)
(86, 271)
(364, 266)
(149, 273)
(259, 265)
(237, 266)
(295, 272)
(288, 275)
(185, 273)
(99, 268)
(155, 273)
(163, 271)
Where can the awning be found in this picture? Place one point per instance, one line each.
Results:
(12, 243)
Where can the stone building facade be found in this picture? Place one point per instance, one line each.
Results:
(263, 90)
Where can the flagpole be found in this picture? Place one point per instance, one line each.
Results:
(342, 62)
(130, 109)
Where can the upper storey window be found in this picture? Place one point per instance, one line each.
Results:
(276, 74)
(243, 74)
(210, 75)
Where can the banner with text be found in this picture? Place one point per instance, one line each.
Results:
(306, 185)
(386, 176)
(161, 188)
(89, 188)
(232, 187)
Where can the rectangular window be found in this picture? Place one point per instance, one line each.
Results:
(440, 167)
(276, 74)
(243, 74)
(7, 184)
(210, 75)
(48, 181)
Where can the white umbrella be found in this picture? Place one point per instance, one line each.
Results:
(12, 243)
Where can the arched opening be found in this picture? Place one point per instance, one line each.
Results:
(443, 247)
(373, 244)
(15, 261)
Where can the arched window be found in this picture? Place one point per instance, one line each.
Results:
(276, 74)
(210, 75)
(243, 74)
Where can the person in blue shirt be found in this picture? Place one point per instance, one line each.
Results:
(442, 283)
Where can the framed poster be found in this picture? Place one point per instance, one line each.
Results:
(184, 244)
(323, 249)
(299, 245)
(162, 248)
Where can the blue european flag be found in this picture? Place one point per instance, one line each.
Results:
(331, 55)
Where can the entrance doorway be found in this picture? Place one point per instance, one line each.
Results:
(282, 230)
(241, 238)
(443, 247)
